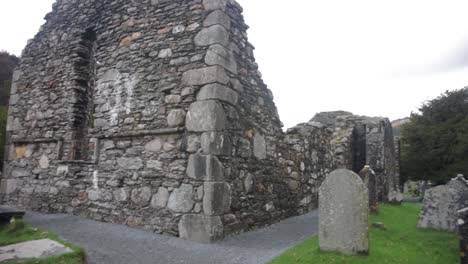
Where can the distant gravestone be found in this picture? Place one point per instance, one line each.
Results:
(441, 204)
(370, 180)
(344, 212)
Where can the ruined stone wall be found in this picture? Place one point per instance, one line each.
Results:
(153, 114)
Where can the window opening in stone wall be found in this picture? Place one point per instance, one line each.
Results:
(359, 148)
(85, 82)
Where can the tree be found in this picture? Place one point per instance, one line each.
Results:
(8, 63)
(435, 141)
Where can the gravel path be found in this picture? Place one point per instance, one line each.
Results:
(115, 244)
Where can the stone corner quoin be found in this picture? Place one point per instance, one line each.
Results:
(154, 115)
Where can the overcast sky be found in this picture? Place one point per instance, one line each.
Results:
(370, 57)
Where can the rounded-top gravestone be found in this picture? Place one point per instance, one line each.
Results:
(344, 212)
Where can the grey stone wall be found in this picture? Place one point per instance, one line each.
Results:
(154, 114)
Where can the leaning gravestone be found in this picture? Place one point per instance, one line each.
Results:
(344, 212)
(370, 180)
(441, 204)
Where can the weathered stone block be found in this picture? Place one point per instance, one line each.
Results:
(201, 228)
(218, 17)
(8, 186)
(205, 116)
(215, 34)
(259, 146)
(218, 55)
(343, 213)
(370, 180)
(214, 4)
(181, 199)
(218, 92)
(160, 199)
(141, 196)
(215, 143)
(121, 195)
(212, 74)
(441, 204)
(217, 199)
(205, 168)
(130, 163)
(176, 118)
(154, 145)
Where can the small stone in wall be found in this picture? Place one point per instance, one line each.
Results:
(121, 195)
(130, 163)
(141, 196)
(154, 145)
(181, 199)
(20, 151)
(44, 162)
(259, 146)
(160, 199)
(176, 118)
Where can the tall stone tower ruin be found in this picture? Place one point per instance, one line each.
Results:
(153, 114)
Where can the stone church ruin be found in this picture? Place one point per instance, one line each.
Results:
(153, 114)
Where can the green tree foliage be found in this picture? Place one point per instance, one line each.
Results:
(8, 63)
(435, 141)
(3, 121)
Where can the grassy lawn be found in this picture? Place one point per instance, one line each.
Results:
(401, 242)
(19, 232)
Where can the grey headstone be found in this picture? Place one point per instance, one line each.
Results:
(441, 204)
(205, 116)
(201, 228)
(343, 213)
(370, 180)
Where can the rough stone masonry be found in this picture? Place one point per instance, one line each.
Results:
(153, 114)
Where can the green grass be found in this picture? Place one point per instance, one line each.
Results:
(18, 232)
(400, 243)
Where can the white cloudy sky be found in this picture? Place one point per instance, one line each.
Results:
(370, 57)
